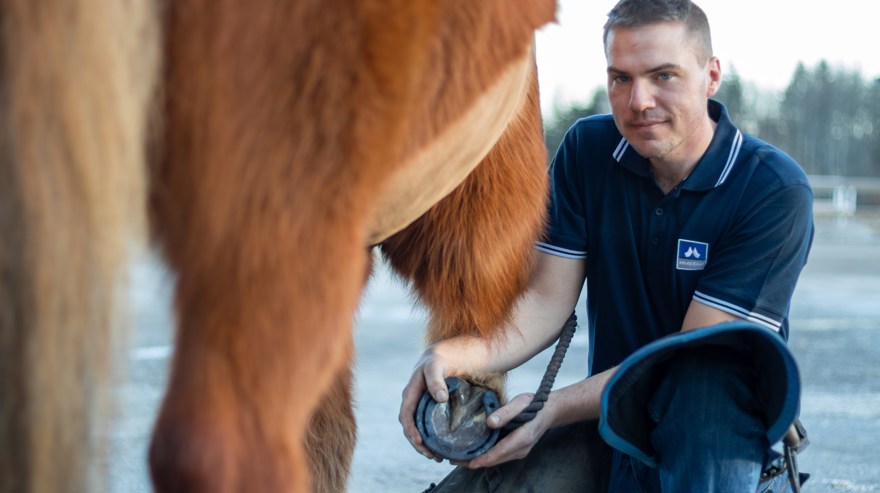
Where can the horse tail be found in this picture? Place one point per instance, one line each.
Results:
(75, 80)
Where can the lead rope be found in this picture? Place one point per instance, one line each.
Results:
(493, 474)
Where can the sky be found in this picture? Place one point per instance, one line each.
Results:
(763, 39)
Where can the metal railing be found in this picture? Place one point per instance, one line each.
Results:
(842, 195)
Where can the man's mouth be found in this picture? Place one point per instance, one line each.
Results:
(645, 123)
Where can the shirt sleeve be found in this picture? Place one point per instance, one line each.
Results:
(566, 232)
(754, 272)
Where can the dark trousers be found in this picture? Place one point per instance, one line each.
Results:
(571, 458)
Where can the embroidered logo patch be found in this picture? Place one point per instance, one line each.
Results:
(692, 255)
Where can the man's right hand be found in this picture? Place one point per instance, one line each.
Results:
(430, 373)
(537, 320)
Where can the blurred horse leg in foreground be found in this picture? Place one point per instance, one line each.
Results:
(77, 78)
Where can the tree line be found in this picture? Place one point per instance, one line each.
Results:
(827, 118)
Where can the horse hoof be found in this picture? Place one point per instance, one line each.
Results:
(456, 429)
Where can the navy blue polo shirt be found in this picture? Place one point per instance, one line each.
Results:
(733, 235)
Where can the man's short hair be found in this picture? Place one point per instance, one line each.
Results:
(637, 13)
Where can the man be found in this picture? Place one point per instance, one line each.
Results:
(677, 221)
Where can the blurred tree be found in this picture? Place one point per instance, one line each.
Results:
(826, 122)
(797, 119)
(848, 148)
(731, 94)
(818, 137)
(872, 128)
(564, 118)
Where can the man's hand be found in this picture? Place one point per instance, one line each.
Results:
(430, 373)
(536, 323)
(518, 443)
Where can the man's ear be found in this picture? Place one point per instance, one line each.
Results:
(714, 68)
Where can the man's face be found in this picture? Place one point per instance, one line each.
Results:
(658, 83)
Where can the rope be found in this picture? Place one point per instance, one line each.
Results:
(546, 386)
(493, 474)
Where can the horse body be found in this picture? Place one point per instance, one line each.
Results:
(292, 135)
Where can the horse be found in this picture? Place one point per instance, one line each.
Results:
(265, 149)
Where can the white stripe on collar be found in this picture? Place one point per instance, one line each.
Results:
(621, 148)
(735, 147)
(731, 158)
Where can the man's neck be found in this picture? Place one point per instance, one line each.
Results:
(669, 179)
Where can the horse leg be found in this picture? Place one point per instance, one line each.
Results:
(287, 332)
(261, 201)
(331, 437)
(76, 80)
(262, 331)
(332, 431)
(470, 256)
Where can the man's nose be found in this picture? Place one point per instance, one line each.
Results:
(641, 97)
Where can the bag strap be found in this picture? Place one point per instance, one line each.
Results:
(793, 443)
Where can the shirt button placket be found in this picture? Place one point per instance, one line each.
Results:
(657, 235)
(657, 228)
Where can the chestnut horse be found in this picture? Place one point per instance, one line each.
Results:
(284, 140)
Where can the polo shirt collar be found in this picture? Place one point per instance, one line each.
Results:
(715, 165)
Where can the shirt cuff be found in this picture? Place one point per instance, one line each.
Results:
(734, 309)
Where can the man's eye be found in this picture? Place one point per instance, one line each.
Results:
(665, 76)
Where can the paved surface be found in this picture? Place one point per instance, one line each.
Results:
(835, 337)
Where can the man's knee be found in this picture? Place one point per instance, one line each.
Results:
(708, 420)
(704, 385)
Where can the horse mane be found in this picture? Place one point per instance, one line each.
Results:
(73, 120)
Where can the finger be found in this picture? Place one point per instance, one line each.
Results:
(507, 412)
(496, 455)
(435, 379)
(415, 439)
(411, 395)
(407, 409)
(514, 446)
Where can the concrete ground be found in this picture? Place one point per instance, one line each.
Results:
(835, 338)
